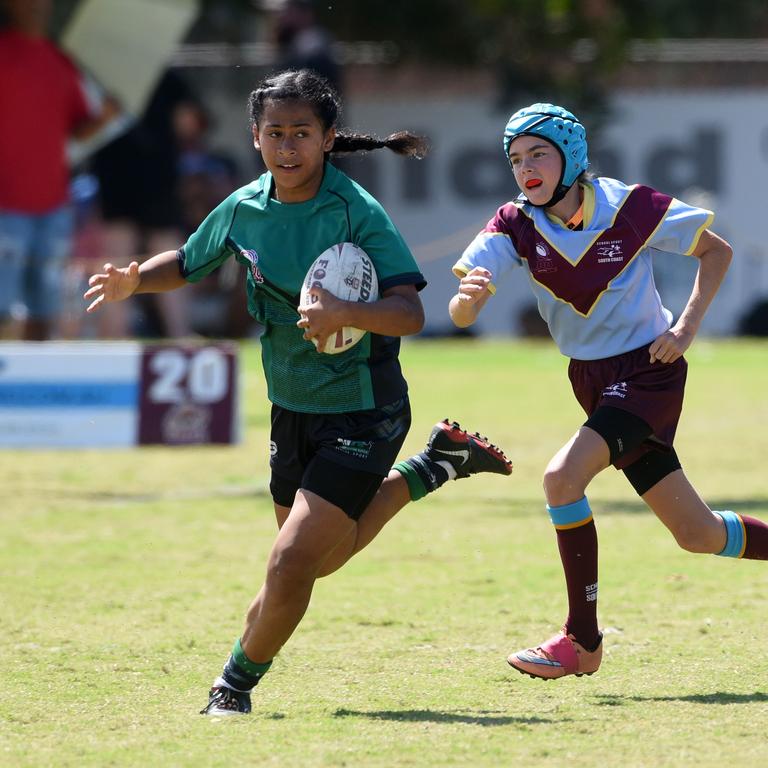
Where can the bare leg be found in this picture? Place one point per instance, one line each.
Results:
(475, 455)
(565, 482)
(310, 533)
(577, 649)
(572, 468)
(695, 527)
(391, 497)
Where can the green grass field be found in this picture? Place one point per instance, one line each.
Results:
(124, 576)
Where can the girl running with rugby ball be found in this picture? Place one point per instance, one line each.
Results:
(338, 422)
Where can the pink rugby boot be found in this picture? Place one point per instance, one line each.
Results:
(559, 656)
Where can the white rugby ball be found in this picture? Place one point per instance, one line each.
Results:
(346, 271)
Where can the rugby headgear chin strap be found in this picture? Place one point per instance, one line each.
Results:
(560, 128)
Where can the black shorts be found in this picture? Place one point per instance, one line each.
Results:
(342, 457)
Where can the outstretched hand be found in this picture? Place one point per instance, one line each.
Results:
(113, 284)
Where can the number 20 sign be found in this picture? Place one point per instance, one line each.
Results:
(188, 395)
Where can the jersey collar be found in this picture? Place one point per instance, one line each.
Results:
(583, 216)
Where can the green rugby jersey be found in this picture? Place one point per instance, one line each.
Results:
(278, 242)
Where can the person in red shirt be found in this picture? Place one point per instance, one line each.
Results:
(42, 105)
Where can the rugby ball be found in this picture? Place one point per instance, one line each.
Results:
(346, 271)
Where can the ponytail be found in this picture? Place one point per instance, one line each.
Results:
(313, 89)
(401, 143)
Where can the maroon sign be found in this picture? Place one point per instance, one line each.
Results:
(188, 395)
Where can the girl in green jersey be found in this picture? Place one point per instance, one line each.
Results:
(335, 435)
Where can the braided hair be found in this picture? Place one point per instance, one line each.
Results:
(308, 87)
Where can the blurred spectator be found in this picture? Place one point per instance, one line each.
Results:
(138, 176)
(205, 178)
(202, 178)
(302, 43)
(42, 104)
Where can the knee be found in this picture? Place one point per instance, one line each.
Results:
(698, 539)
(289, 568)
(562, 485)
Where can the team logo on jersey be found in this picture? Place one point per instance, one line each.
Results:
(544, 262)
(609, 250)
(585, 271)
(619, 389)
(272, 448)
(253, 259)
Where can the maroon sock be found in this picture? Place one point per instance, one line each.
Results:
(578, 553)
(756, 535)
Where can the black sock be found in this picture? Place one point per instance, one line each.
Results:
(236, 677)
(240, 672)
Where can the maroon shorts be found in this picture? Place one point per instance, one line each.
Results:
(652, 391)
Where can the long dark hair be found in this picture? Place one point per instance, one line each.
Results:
(307, 86)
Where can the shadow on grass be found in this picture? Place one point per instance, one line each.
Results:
(720, 697)
(484, 719)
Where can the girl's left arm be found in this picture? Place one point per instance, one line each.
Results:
(714, 255)
(398, 313)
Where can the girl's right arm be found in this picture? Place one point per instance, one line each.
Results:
(157, 274)
(474, 290)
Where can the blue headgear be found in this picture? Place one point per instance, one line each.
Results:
(561, 128)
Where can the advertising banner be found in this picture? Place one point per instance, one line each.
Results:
(117, 394)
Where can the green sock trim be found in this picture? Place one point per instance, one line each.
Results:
(251, 667)
(415, 485)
